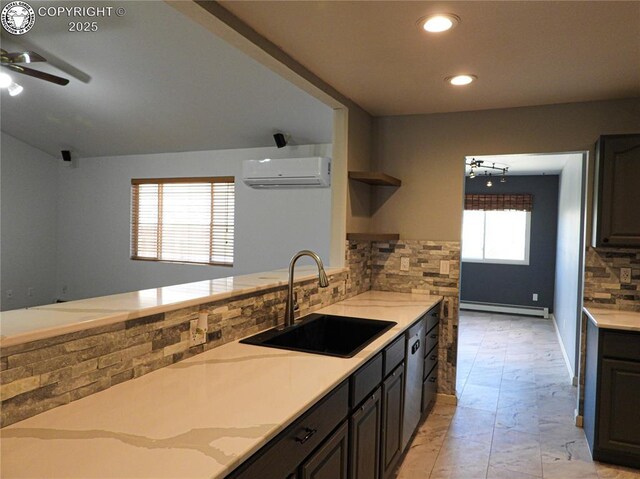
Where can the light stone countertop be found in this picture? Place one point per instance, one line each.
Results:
(613, 318)
(40, 322)
(199, 418)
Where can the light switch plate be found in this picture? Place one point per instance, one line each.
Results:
(535, 296)
(404, 263)
(625, 275)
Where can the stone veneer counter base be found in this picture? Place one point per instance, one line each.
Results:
(613, 318)
(40, 322)
(200, 417)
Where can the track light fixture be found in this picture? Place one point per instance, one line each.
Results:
(478, 167)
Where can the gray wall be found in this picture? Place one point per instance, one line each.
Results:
(28, 206)
(570, 247)
(510, 283)
(426, 152)
(94, 219)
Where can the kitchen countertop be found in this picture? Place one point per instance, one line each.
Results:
(40, 322)
(613, 318)
(200, 417)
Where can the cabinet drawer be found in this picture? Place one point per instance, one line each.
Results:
(294, 444)
(365, 380)
(430, 360)
(430, 388)
(621, 345)
(393, 355)
(433, 317)
(431, 340)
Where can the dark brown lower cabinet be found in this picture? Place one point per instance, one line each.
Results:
(282, 456)
(355, 431)
(620, 399)
(364, 435)
(391, 433)
(331, 460)
(612, 395)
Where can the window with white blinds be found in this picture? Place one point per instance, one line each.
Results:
(183, 220)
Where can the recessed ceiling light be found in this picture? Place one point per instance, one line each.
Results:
(440, 22)
(460, 80)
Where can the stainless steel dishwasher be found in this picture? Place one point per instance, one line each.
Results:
(413, 385)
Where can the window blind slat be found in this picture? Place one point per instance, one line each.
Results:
(187, 220)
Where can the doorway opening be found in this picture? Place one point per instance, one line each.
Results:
(522, 269)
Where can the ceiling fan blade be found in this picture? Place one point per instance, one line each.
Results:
(37, 74)
(22, 57)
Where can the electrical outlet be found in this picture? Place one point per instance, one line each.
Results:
(29, 291)
(625, 275)
(9, 293)
(535, 296)
(198, 330)
(404, 263)
(444, 266)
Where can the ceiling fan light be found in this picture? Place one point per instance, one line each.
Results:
(5, 80)
(15, 89)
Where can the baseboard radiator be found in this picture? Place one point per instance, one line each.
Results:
(505, 308)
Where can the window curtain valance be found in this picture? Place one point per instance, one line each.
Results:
(520, 202)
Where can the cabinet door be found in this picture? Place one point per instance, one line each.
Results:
(364, 433)
(330, 461)
(619, 410)
(391, 435)
(616, 220)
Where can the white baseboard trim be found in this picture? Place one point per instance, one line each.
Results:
(572, 377)
(505, 308)
(442, 398)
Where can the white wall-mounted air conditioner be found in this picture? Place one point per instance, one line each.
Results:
(287, 172)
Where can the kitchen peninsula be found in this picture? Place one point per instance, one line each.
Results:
(200, 417)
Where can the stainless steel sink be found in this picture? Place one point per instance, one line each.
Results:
(330, 335)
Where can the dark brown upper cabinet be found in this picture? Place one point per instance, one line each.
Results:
(616, 220)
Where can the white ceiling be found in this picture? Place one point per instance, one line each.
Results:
(524, 165)
(523, 52)
(151, 81)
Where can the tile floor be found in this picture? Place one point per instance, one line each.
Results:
(514, 418)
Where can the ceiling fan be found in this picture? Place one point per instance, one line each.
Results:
(14, 61)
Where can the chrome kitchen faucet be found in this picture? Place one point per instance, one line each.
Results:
(323, 282)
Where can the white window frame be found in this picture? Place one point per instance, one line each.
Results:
(527, 245)
(135, 236)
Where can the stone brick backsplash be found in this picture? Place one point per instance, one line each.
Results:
(424, 277)
(602, 286)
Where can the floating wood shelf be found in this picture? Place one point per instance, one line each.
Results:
(374, 178)
(373, 236)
